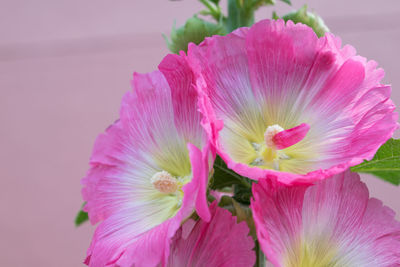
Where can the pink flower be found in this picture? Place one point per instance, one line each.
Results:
(332, 223)
(149, 170)
(221, 242)
(278, 100)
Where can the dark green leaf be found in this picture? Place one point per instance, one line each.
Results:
(224, 177)
(385, 164)
(81, 217)
(242, 194)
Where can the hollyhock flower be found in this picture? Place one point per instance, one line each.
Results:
(332, 223)
(220, 242)
(279, 100)
(149, 170)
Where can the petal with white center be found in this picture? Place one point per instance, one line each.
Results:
(332, 223)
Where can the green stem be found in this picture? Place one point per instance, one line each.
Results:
(261, 261)
(215, 10)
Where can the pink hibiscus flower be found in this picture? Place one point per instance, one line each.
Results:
(220, 242)
(149, 170)
(332, 223)
(279, 100)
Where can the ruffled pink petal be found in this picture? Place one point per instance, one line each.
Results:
(280, 59)
(153, 247)
(277, 73)
(220, 242)
(277, 213)
(223, 66)
(112, 180)
(130, 237)
(117, 235)
(200, 161)
(184, 98)
(138, 221)
(148, 115)
(128, 154)
(334, 218)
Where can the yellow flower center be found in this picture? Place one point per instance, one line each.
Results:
(316, 253)
(168, 184)
(267, 155)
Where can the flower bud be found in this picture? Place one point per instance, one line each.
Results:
(194, 31)
(308, 18)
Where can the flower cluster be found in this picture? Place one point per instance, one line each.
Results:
(280, 106)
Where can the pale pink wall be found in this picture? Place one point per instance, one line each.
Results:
(64, 66)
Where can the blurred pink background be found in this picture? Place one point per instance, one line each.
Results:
(64, 66)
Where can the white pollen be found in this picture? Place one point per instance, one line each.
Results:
(258, 162)
(270, 133)
(164, 182)
(256, 146)
(275, 164)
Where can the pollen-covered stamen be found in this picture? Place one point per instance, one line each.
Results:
(164, 182)
(269, 134)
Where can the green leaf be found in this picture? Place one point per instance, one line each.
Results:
(311, 19)
(81, 217)
(224, 177)
(242, 194)
(385, 164)
(194, 30)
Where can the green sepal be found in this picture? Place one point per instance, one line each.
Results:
(385, 164)
(308, 18)
(258, 3)
(194, 31)
(287, 2)
(275, 16)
